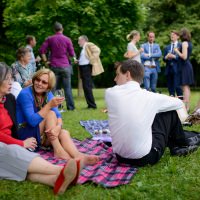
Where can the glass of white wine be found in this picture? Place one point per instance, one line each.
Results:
(60, 93)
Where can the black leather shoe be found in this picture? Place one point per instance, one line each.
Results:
(182, 151)
(90, 107)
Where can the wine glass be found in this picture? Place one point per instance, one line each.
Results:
(60, 93)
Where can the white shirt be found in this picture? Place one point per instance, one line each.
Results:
(83, 60)
(175, 45)
(133, 48)
(32, 61)
(15, 89)
(150, 52)
(131, 112)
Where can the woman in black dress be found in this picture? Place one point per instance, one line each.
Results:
(185, 64)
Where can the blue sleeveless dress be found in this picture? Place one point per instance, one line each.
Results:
(186, 68)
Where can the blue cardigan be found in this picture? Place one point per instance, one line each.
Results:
(28, 119)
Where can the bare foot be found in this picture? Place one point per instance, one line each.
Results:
(88, 159)
(61, 154)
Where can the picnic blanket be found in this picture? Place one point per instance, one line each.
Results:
(108, 172)
(98, 129)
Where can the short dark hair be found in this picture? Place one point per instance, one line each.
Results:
(21, 52)
(134, 67)
(58, 26)
(175, 32)
(185, 34)
(29, 38)
(4, 71)
(117, 64)
(149, 33)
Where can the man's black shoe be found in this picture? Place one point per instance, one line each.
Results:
(90, 107)
(188, 138)
(182, 151)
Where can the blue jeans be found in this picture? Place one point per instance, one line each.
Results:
(150, 78)
(63, 78)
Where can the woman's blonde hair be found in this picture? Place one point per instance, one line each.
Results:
(132, 34)
(51, 75)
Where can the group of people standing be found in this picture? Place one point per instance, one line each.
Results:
(57, 51)
(179, 71)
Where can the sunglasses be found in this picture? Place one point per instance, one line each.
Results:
(42, 81)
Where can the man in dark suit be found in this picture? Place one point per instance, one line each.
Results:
(173, 70)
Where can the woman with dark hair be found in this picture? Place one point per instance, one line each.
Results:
(8, 125)
(38, 116)
(185, 64)
(16, 163)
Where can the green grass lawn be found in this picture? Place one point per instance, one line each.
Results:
(172, 178)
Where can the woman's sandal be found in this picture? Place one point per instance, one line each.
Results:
(67, 175)
(78, 166)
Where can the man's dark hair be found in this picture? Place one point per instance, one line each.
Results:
(58, 26)
(149, 33)
(134, 67)
(29, 38)
(175, 32)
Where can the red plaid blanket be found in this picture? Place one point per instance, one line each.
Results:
(108, 172)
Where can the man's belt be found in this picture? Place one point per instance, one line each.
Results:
(150, 66)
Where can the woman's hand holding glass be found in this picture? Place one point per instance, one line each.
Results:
(60, 93)
(56, 101)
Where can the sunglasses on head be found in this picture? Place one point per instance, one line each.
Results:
(42, 81)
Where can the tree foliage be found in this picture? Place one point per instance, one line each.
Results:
(105, 22)
(167, 15)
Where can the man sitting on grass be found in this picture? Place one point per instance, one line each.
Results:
(142, 123)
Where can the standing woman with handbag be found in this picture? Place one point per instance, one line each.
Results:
(185, 64)
(132, 51)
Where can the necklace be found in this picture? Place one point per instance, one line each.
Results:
(40, 102)
(3, 99)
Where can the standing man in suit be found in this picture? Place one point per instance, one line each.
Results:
(173, 71)
(88, 60)
(150, 59)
